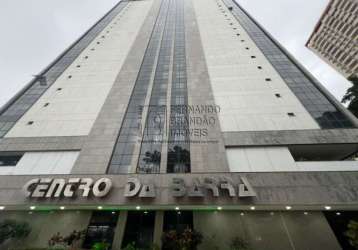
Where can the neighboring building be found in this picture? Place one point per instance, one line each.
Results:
(335, 37)
(174, 114)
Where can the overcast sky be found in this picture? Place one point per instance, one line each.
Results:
(34, 32)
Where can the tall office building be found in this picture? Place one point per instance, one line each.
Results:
(335, 37)
(170, 116)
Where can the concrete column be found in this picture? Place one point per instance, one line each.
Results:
(158, 228)
(206, 156)
(120, 229)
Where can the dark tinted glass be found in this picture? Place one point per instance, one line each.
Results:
(9, 160)
(139, 229)
(130, 130)
(101, 228)
(177, 220)
(178, 145)
(150, 153)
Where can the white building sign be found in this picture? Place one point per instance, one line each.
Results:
(58, 187)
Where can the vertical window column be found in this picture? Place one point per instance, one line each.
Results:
(128, 135)
(178, 145)
(153, 135)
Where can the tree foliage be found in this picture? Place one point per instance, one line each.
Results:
(352, 96)
(352, 233)
(152, 157)
(238, 243)
(189, 239)
(12, 229)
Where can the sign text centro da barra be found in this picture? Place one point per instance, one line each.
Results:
(135, 187)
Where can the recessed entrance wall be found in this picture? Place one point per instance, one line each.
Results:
(45, 224)
(279, 230)
(265, 230)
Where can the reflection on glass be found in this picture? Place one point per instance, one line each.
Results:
(149, 158)
(150, 163)
(178, 160)
(139, 230)
(178, 147)
(128, 135)
(101, 228)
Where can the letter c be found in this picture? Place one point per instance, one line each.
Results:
(26, 188)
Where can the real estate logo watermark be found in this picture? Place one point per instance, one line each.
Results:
(190, 123)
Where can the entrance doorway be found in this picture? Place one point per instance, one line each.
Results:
(139, 229)
(339, 222)
(101, 229)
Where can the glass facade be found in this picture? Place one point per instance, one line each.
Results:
(343, 224)
(101, 228)
(178, 144)
(139, 229)
(128, 135)
(153, 134)
(315, 102)
(10, 159)
(177, 221)
(168, 41)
